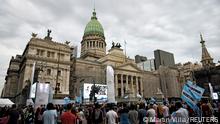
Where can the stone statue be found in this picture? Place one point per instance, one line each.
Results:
(48, 33)
(67, 42)
(33, 35)
(118, 45)
(113, 44)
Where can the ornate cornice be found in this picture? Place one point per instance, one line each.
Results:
(33, 57)
(67, 50)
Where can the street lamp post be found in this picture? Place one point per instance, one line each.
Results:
(57, 87)
(93, 90)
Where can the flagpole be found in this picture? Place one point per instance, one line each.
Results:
(125, 50)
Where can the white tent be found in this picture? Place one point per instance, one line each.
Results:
(5, 102)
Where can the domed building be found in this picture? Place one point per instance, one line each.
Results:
(90, 67)
(93, 45)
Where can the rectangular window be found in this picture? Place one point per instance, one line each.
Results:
(119, 91)
(93, 43)
(58, 87)
(48, 71)
(52, 54)
(90, 43)
(41, 52)
(87, 44)
(38, 52)
(59, 72)
(62, 56)
(48, 53)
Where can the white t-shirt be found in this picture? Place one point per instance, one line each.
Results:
(49, 117)
(111, 116)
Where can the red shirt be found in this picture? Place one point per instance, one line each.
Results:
(68, 118)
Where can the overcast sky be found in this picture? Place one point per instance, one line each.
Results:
(146, 25)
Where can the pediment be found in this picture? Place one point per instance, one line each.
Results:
(129, 67)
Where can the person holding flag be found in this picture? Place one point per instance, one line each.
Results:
(192, 94)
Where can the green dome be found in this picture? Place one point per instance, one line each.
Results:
(94, 27)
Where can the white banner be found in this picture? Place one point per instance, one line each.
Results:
(33, 90)
(42, 94)
(110, 84)
(32, 79)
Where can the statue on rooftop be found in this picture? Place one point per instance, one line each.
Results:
(117, 45)
(33, 35)
(48, 33)
(113, 44)
(67, 42)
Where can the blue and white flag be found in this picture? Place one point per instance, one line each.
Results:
(191, 94)
(196, 91)
(188, 97)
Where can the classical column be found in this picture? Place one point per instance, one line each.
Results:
(122, 88)
(141, 87)
(132, 85)
(126, 83)
(137, 85)
(116, 85)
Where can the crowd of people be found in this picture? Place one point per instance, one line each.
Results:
(122, 113)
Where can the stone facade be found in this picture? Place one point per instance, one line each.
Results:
(11, 80)
(169, 81)
(128, 77)
(165, 80)
(52, 65)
